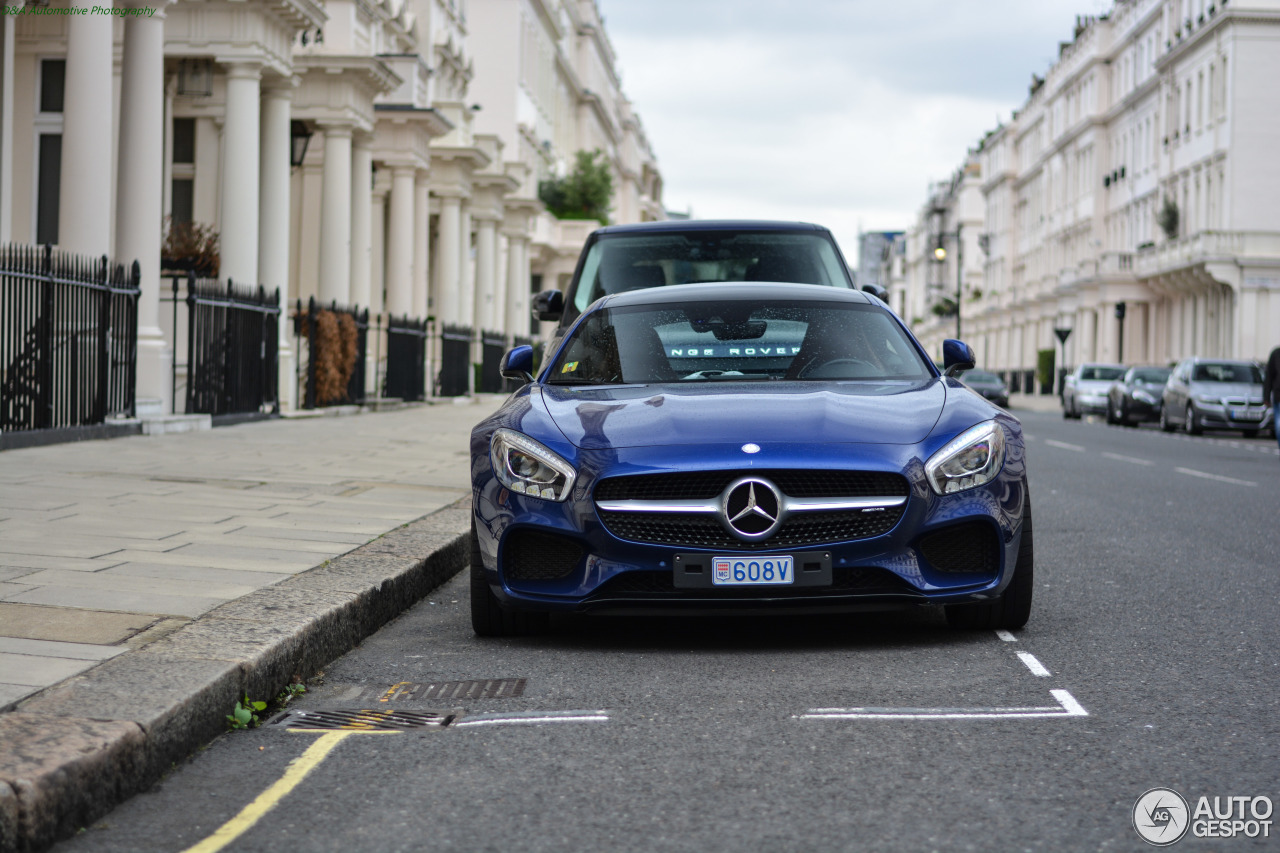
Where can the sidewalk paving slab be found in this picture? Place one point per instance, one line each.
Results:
(326, 557)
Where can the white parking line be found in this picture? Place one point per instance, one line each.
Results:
(1062, 444)
(1135, 460)
(1006, 636)
(1067, 707)
(534, 718)
(1218, 477)
(1034, 665)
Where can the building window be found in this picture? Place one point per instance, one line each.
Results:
(53, 75)
(182, 181)
(49, 179)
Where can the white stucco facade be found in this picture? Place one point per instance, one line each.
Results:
(1156, 100)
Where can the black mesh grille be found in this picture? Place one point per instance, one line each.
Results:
(532, 556)
(973, 547)
(705, 531)
(703, 485)
(845, 581)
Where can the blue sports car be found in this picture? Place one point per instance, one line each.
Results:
(750, 447)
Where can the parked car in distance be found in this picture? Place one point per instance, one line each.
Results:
(1135, 397)
(988, 385)
(1213, 393)
(618, 258)
(752, 448)
(1085, 388)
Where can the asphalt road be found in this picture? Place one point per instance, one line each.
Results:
(1149, 662)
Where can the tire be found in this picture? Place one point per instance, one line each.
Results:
(1164, 420)
(488, 617)
(1190, 424)
(1013, 608)
(1113, 417)
(1250, 433)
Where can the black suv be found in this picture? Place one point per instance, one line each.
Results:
(653, 254)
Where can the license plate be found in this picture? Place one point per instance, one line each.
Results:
(752, 571)
(1245, 415)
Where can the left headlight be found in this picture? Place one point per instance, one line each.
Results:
(528, 468)
(970, 459)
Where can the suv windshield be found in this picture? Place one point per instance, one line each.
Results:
(1227, 373)
(1153, 375)
(636, 261)
(737, 341)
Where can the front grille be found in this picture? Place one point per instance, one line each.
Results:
(697, 530)
(659, 585)
(973, 547)
(801, 530)
(532, 556)
(703, 485)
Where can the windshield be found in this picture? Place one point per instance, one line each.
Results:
(1152, 375)
(1104, 373)
(738, 341)
(1227, 373)
(635, 261)
(981, 377)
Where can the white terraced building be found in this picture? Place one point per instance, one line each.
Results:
(1141, 170)
(427, 125)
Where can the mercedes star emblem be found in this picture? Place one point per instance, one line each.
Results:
(752, 508)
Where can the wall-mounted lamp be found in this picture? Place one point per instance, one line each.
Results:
(299, 136)
(940, 254)
(195, 78)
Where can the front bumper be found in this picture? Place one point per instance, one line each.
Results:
(599, 570)
(1232, 417)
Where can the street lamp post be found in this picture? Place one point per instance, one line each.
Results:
(940, 254)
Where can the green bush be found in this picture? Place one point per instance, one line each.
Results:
(1044, 367)
(585, 193)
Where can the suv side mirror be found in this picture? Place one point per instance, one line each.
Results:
(517, 363)
(957, 357)
(877, 291)
(548, 305)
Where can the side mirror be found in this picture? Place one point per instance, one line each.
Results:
(877, 291)
(548, 305)
(517, 364)
(957, 357)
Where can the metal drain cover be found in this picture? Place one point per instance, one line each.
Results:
(491, 688)
(368, 720)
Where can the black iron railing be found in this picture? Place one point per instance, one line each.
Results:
(492, 347)
(332, 369)
(233, 336)
(455, 361)
(68, 339)
(406, 376)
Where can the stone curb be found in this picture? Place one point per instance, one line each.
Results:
(72, 752)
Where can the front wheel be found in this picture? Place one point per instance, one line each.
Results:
(1013, 608)
(1190, 424)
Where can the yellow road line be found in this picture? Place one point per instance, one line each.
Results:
(391, 694)
(266, 801)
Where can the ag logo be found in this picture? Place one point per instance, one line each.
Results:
(1161, 816)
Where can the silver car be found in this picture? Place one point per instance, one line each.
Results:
(1085, 388)
(1212, 393)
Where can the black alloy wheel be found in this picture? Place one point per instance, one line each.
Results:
(1013, 608)
(1190, 424)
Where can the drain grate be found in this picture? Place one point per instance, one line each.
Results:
(378, 720)
(491, 688)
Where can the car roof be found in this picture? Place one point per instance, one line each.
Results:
(738, 290)
(685, 225)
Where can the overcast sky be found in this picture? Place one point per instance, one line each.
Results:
(834, 111)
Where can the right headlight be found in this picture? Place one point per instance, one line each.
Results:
(529, 467)
(972, 458)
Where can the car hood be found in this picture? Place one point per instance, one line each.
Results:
(787, 412)
(1226, 389)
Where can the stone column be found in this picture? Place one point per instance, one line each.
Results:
(140, 195)
(422, 305)
(361, 218)
(486, 268)
(466, 272)
(273, 222)
(448, 261)
(378, 244)
(335, 216)
(401, 237)
(84, 196)
(241, 141)
(518, 285)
